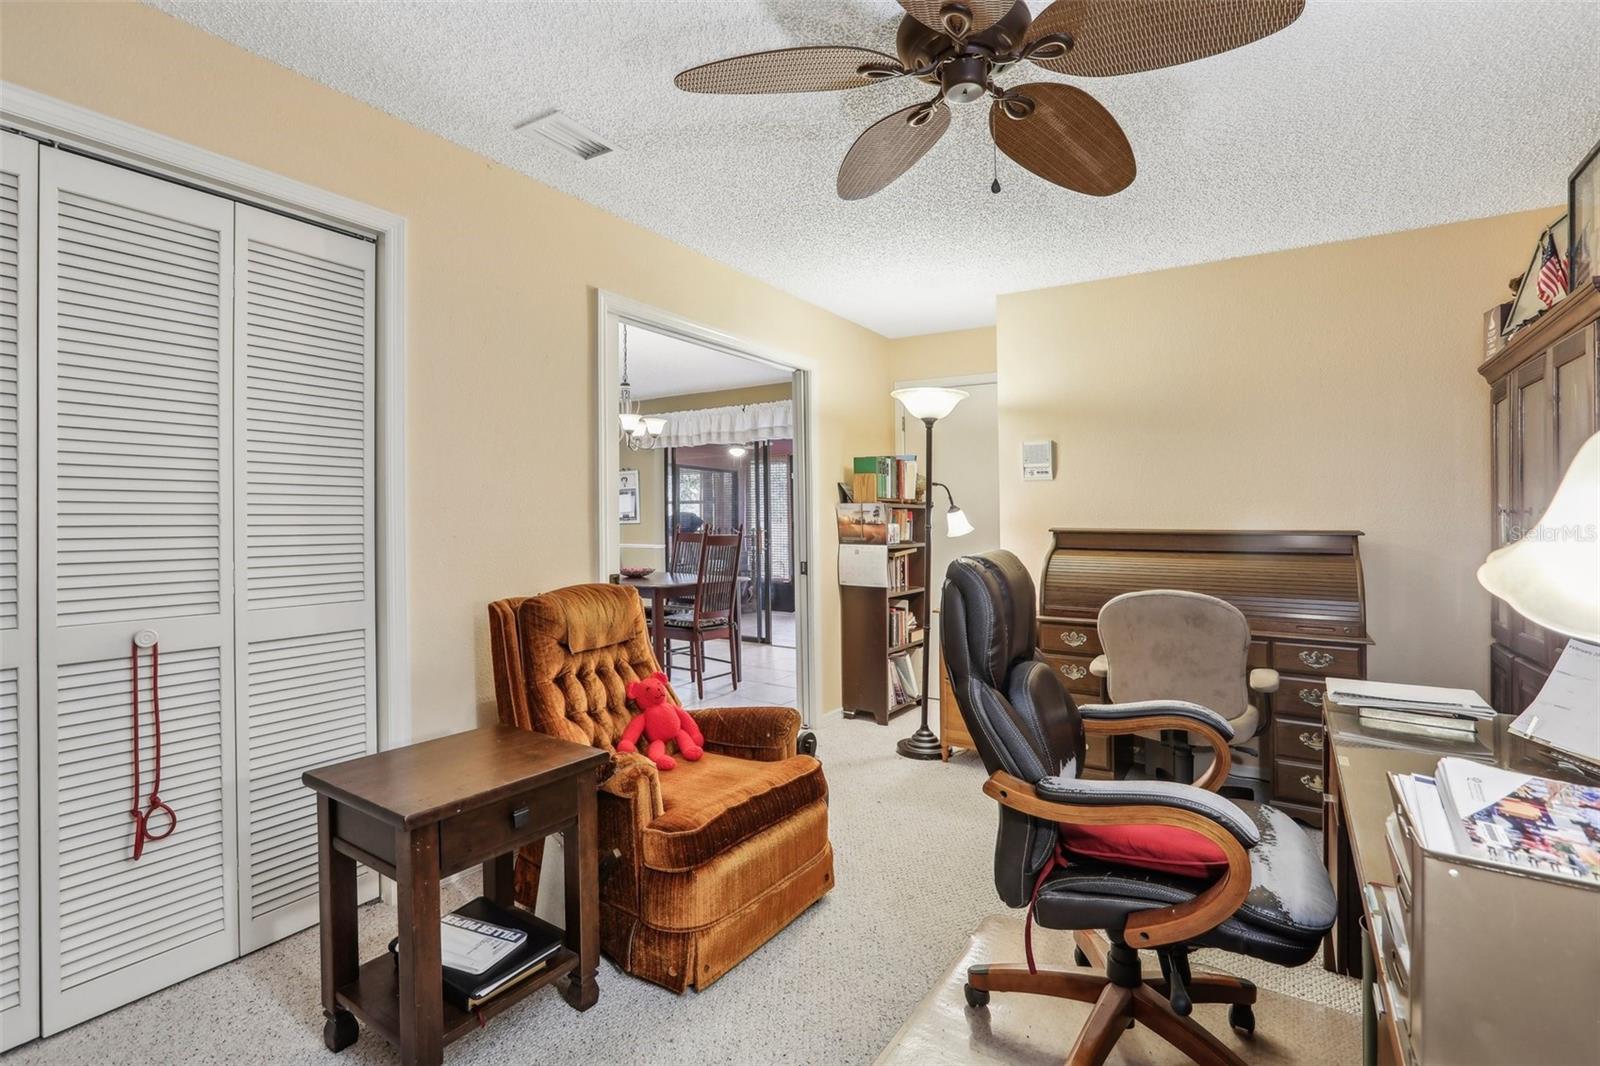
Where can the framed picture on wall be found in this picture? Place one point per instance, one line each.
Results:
(628, 498)
(1583, 219)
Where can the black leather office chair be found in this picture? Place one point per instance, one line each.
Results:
(1273, 902)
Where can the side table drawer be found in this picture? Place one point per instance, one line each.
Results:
(1069, 638)
(1297, 782)
(1324, 660)
(1299, 740)
(1074, 673)
(480, 834)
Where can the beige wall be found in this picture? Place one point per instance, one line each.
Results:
(500, 282)
(1324, 388)
(652, 493)
(942, 355)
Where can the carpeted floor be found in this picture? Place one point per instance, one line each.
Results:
(914, 850)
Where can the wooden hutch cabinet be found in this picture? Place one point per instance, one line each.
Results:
(1544, 402)
(1301, 592)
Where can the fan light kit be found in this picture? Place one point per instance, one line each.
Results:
(1055, 130)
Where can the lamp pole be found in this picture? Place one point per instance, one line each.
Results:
(923, 744)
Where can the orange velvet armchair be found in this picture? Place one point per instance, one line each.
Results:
(702, 864)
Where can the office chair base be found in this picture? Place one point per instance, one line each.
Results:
(1117, 1006)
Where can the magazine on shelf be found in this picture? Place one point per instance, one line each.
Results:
(469, 989)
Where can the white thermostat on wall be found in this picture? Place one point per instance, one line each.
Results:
(1039, 460)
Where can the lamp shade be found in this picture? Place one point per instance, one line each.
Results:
(1551, 574)
(631, 423)
(928, 403)
(955, 523)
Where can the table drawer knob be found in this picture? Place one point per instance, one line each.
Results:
(1316, 659)
(1074, 671)
(1311, 697)
(1312, 781)
(519, 818)
(1073, 639)
(1313, 740)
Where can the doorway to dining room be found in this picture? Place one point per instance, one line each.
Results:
(708, 460)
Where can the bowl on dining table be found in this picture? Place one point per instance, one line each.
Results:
(638, 571)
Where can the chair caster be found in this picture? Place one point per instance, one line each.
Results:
(806, 743)
(340, 1030)
(1079, 957)
(976, 997)
(1242, 1017)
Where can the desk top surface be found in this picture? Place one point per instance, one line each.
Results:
(424, 783)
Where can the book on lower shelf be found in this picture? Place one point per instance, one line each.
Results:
(904, 686)
(488, 949)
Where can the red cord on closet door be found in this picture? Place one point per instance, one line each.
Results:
(143, 811)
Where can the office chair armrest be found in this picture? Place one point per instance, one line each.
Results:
(1100, 666)
(1111, 719)
(762, 734)
(1180, 807)
(1263, 680)
(634, 777)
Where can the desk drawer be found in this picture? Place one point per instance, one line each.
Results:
(1069, 638)
(1296, 740)
(1324, 660)
(1297, 782)
(1097, 753)
(1074, 673)
(482, 833)
(1299, 697)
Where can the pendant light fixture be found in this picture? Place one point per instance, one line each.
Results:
(639, 431)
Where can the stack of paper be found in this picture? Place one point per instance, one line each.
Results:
(1566, 713)
(1419, 699)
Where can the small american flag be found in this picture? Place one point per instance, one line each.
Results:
(1552, 273)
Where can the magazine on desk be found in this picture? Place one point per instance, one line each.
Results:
(1519, 821)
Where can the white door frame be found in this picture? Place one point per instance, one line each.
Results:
(113, 140)
(611, 311)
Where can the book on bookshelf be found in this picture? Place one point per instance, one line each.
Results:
(890, 477)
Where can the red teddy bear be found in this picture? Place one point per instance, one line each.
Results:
(660, 720)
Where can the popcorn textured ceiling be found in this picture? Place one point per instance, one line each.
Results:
(1361, 118)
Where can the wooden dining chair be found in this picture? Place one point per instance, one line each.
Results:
(714, 615)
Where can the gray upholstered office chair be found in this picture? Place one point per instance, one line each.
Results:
(1270, 899)
(1170, 645)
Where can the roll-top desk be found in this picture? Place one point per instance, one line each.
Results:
(1300, 591)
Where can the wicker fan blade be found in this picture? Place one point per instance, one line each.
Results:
(958, 18)
(1128, 36)
(791, 70)
(889, 147)
(1064, 136)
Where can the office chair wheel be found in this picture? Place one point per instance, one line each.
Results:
(1079, 957)
(977, 997)
(1242, 1017)
(340, 1030)
(806, 743)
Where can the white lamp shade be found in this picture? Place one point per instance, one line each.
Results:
(1551, 574)
(928, 402)
(631, 424)
(955, 523)
(654, 426)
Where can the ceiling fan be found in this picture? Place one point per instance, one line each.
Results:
(1057, 131)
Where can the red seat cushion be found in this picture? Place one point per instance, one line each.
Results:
(1167, 849)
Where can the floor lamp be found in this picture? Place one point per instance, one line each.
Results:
(930, 405)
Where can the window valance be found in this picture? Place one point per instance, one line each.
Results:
(739, 424)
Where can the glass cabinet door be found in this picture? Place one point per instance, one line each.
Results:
(1533, 451)
(1500, 445)
(1572, 366)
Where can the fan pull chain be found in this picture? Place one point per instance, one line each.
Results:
(994, 186)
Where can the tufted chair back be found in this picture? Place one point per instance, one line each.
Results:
(563, 660)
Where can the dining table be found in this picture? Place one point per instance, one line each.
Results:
(659, 587)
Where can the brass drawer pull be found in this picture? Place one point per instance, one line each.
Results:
(1312, 781)
(1312, 739)
(1073, 639)
(1074, 671)
(1311, 697)
(1316, 659)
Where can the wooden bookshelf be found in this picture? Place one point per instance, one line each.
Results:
(864, 618)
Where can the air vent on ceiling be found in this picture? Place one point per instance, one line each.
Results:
(563, 132)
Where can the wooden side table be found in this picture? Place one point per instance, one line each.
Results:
(420, 813)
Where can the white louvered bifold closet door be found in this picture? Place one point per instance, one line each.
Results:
(136, 531)
(19, 813)
(304, 526)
